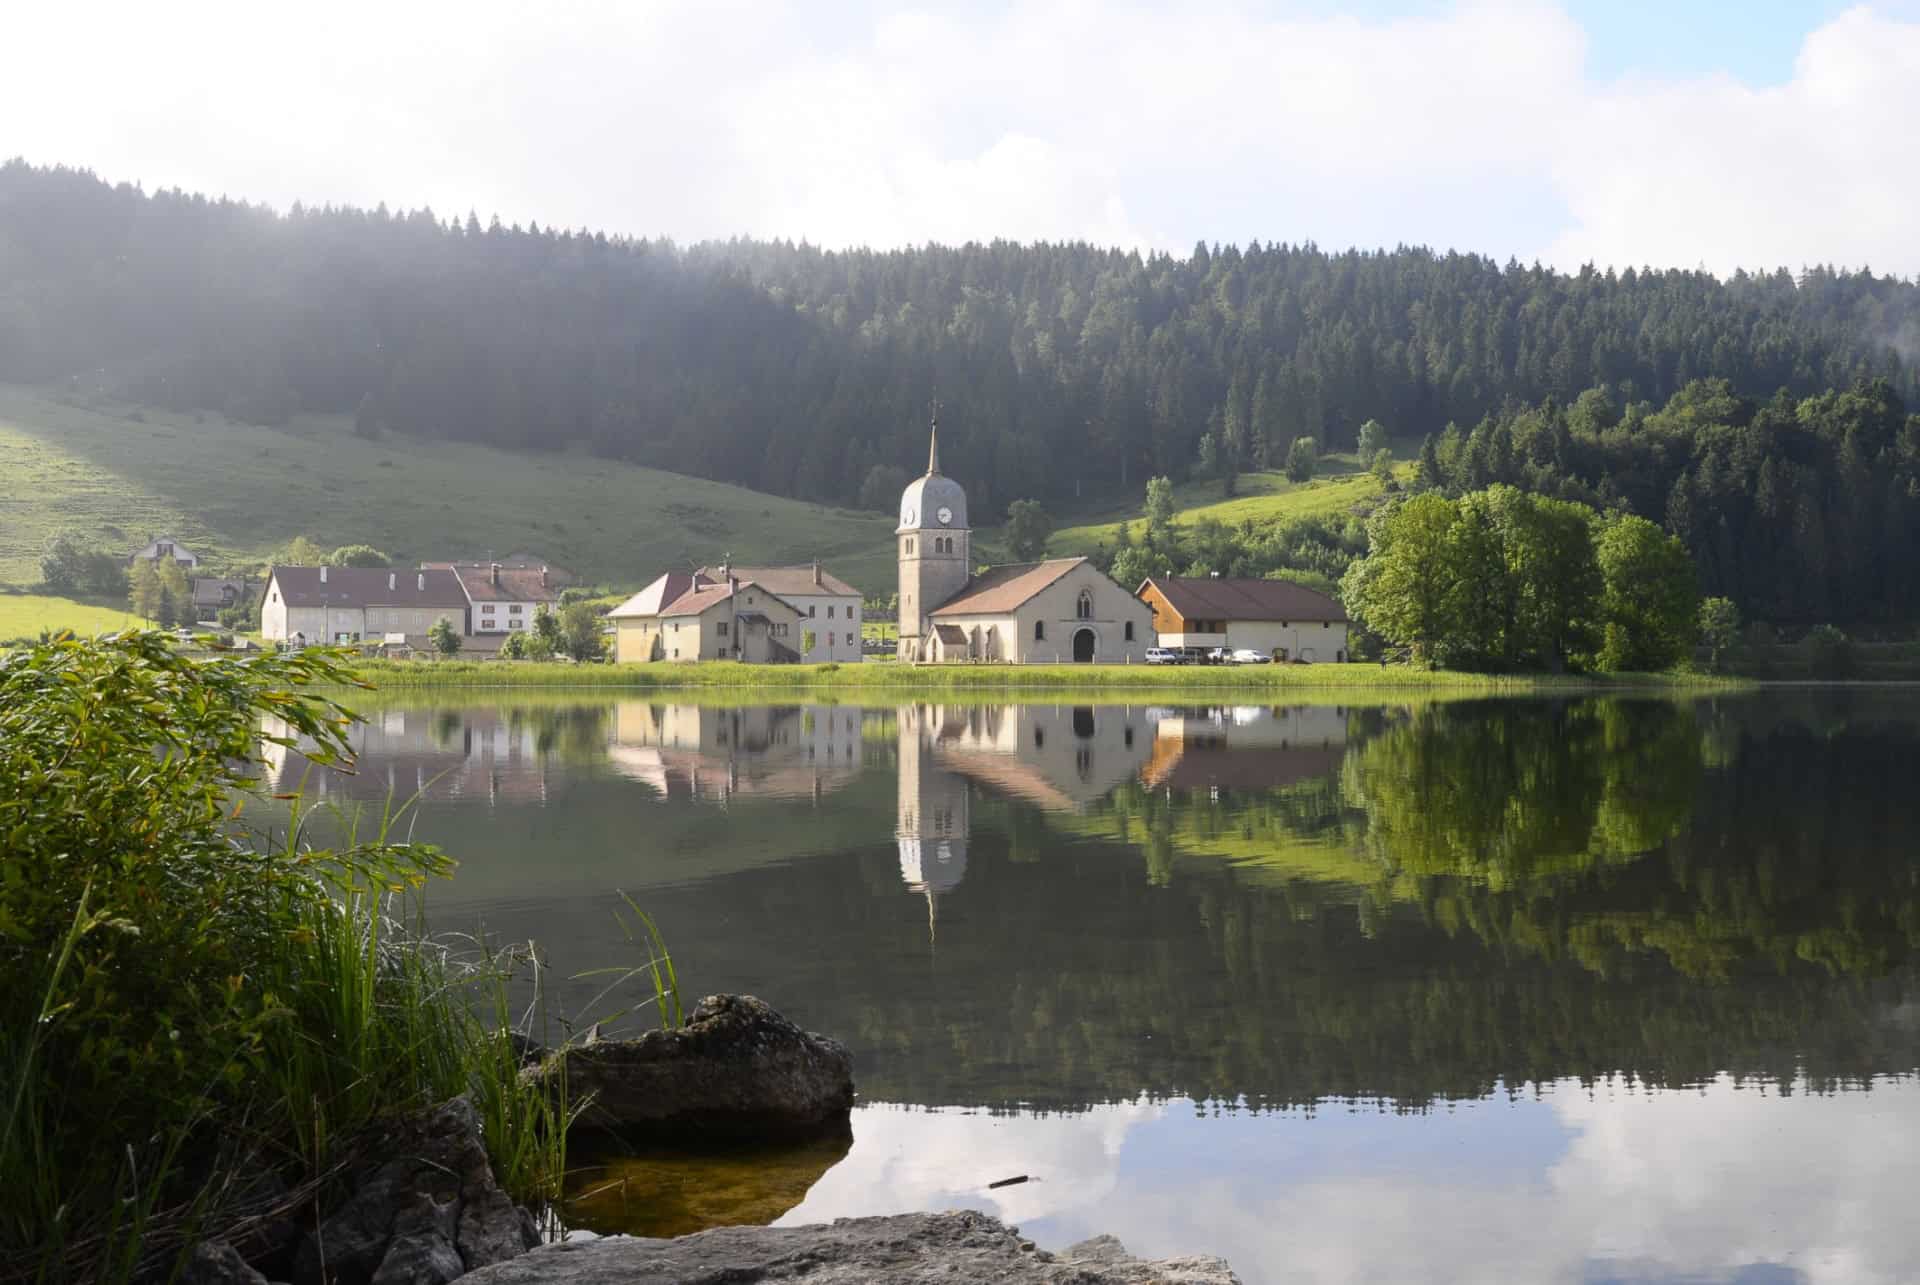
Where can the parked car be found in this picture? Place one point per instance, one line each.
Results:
(1220, 656)
(1250, 656)
(1165, 656)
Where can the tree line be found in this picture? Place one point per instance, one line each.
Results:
(1798, 509)
(1066, 369)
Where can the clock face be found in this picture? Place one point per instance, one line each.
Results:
(945, 515)
(907, 516)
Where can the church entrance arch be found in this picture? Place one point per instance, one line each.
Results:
(1083, 646)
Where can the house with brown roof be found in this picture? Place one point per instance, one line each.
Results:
(355, 604)
(829, 607)
(690, 616)
(1284, 620)
(1059, 610)
(502, 599)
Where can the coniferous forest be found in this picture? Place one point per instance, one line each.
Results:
(1063, 370)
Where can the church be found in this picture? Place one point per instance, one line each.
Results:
(1060, 611)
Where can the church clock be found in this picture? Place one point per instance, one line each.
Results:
(945, 515)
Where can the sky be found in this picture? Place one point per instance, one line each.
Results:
(1617, 132)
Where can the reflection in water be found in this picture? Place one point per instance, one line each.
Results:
(1149, 953)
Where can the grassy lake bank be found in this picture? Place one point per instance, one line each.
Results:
(895, 678)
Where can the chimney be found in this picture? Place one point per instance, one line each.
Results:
(493, 574)
(543, 577)
(422, 582)
(323, 573)
(392, 578)
(816, 571)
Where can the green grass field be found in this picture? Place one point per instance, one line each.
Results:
(24, 615)
(239, 491)
(1341, 487)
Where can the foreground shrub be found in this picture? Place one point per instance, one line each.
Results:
(183, 998)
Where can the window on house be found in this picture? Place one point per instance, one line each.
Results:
(723, 629)
(1129, 633)
(514, 610)
(1039, 631)
(486, 609)
(810, 611)
(829, 639)
(829, 611)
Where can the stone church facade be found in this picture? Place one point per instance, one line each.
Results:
(1060, 611)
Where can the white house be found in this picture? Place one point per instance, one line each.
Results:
(163, 547)
(829, 607)
(503, 599)
(352, 604)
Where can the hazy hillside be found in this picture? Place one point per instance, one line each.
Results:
(119, 473)
(1067, 370)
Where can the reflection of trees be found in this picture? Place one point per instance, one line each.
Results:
(1509, 792)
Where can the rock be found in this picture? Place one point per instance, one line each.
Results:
(905, 1249)
(736, 1069)
(427, 1211)
(215, 1262)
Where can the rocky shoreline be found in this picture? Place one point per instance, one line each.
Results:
(423, 1207)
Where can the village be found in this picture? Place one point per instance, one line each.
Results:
(1054, 611)
(950, 610)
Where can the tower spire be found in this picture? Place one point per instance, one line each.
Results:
(933, 442)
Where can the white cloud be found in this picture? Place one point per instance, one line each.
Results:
(1816, 170)
(1473, 127)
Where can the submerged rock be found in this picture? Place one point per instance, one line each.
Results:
(666, 1190)
(902, 1250)
(737, 1068)
(427, 1211)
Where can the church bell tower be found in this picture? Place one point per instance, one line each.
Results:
(933, 543)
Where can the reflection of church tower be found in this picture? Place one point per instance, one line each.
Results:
(933, 548)
(932, 821)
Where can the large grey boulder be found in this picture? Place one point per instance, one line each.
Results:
(426, 1211)
(736, 1069)
(906, 1249)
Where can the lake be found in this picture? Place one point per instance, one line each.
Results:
(1589, 989)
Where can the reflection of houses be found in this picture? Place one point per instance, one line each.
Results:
(1246, 747)
(401, 754)
(1056, 757)
(788, 752)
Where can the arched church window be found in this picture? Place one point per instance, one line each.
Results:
(1084, 608)
(1129, 631)
(1039, 631)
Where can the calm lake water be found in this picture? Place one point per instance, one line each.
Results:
(1600, 989)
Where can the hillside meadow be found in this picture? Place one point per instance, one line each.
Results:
(1339, 487)
(119, 473)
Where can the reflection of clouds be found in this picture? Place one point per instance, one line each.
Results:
(904, 1160)
(1716, 1184)
(1711, 1180)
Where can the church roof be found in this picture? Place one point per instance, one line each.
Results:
(999, 590)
